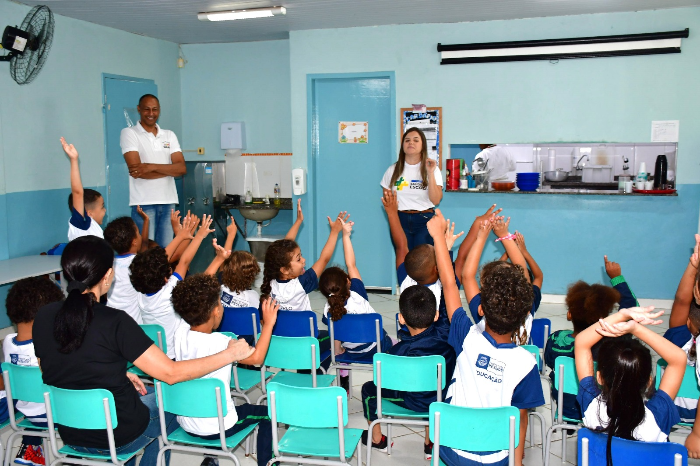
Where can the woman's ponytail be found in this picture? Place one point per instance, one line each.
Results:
(85, 261)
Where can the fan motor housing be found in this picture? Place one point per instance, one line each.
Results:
(14, 39)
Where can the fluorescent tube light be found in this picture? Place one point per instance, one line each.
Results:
(250, 13)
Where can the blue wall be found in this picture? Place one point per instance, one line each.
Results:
(607, 99)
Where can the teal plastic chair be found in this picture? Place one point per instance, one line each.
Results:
(592, 448)
(82, 409)
(210, 395)
(156, 333)
(22, 383)
(565, 381)
(532, 413)
(294, 353)
(689, 386)
(463, 429)
(244, 380)
(427, 373)
(317, 432)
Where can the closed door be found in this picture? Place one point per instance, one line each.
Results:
(347, 175)
(121, 98)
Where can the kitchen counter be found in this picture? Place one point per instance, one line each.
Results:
(569, 191)
(285, 204)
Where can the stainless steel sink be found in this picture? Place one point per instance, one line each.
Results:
(259, 215)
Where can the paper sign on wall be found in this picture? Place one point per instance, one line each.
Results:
(664, 131)
(353, 132)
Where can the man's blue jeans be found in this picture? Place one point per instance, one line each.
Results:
(160, 229)
(148, 438)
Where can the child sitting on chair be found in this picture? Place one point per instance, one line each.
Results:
(197, 300)
(24, 300)
(87, 206)
(346, 294)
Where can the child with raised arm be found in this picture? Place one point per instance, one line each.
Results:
(153, 278)
(614, 398)
(87, 206)
(346, 294)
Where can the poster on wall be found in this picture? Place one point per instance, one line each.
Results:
(428, 121)
(353, 132)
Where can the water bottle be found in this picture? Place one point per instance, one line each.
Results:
(661, 172)
(277, 194)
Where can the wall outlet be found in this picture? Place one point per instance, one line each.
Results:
(200, 150)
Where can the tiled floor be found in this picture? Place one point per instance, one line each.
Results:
(408, 442)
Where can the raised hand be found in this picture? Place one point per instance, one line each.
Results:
(490, 213)
(695, 257)
(485, 228)
(347, 228)
(500, 227)
(337, 225)
(450, 236)
(390, 201)
(231, 229)
(613, 269)
(300, 214)
(642, 315)
(615, 330)
(437, 226)
(269, 311)
(69, 149)
(221, 253)
(520, 241)
(204, 230)
(431, 165)
(175, 221)
(194, 222)
(140, 211)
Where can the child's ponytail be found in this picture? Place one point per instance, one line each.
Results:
(85, 262)
(625, 368)
(333, 284)
(278, 256)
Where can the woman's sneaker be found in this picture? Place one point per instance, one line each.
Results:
(428, 450)
(381, 445)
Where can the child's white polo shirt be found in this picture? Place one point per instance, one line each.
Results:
(21, 353)
(292, 295)
(156, 308)
(189, 344)
(357, 303)
(405, 281)
(247, 298)
(122, 294)
(152, 149)
(82, 225)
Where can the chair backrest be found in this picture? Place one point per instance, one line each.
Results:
(357, 328)
(156, 333)
(296, 324)
(324, 401)
(536, 353)
(592, 448)
(240, 320)
(82, 409)
(463, 428)
(292, 353)
(541, 328)
(177, 398)
(25, 382)
(423, 372)
(689, 385)
(570, 375)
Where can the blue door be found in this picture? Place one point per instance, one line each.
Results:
(347, 175)
(121, 98)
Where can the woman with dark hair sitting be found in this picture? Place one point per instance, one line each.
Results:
(82, 344)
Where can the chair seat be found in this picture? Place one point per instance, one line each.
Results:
(394, 410)
(567, 419)
(318, 442)
(303, 380)
(121, 457)
(181, 436)
(248, 378)
(27, 424)
(344, 359)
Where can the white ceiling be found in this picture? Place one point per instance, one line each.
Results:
(176, 20)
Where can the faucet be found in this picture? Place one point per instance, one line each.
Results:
(578, 167)
(625, 161)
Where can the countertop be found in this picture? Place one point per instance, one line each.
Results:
(285, 204)
(569, 191)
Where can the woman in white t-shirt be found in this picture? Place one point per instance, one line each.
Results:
(418, 185)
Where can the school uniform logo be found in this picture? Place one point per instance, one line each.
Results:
(166, 145)
(20, 359)
(417, 184)
(226, 298)
(400, 184)
(489, 368)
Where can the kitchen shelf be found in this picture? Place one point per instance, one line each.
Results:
(574, 192)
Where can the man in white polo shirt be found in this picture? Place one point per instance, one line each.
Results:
(154, 159)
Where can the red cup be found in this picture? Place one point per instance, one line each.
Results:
(453, 169)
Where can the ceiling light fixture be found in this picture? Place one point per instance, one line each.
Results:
(231, 15)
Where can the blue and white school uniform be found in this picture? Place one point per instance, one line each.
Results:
(405, 281)
(526, 327)
(157, 308)
(488, 375)
(82, 225)
(21, 353)
(121, 294)
(247, 298)
(293, 295)
(660, 413)
(681, 337)
(358, 303)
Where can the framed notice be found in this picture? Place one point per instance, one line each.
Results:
(353, 132)
(430, 122)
